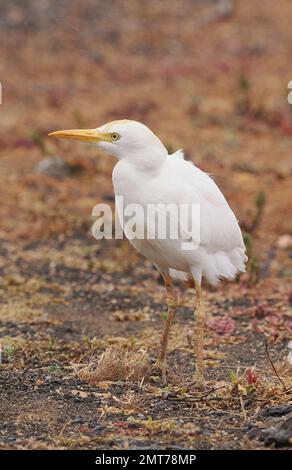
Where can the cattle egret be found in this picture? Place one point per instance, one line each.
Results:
(146, 174)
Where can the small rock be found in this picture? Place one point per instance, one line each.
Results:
(284, 242)
(78, 420)
(53, 166)
(277, 410)
(280, 436)
(79, 393)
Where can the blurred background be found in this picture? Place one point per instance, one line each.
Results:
(210, 76)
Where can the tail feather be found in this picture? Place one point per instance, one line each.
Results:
(224, 265)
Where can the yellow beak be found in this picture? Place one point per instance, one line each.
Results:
(82, 135)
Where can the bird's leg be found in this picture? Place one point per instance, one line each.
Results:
(199, 340)
(170, 299)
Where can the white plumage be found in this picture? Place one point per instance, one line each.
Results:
(145, 174)
(221, 250)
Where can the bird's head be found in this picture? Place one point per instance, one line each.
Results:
(125, 139)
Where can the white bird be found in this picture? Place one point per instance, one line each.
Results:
(146, 174)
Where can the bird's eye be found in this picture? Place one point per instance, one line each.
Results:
(115, 136)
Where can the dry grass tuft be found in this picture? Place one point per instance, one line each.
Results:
(116, 364)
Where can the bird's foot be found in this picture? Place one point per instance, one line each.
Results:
(161, 366)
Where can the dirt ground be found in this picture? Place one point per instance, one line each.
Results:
(80, 319)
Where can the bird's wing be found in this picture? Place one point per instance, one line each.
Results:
(219, 229)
